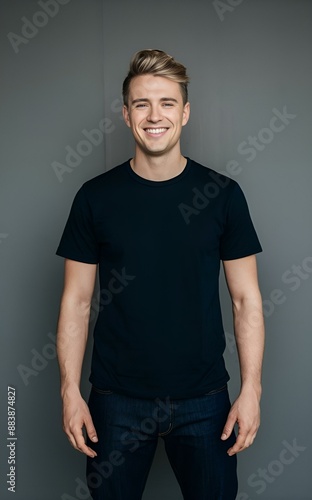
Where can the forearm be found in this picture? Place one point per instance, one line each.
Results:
(72, 334)
(241, 275)
(249, 334)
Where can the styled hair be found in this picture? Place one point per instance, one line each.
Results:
(158, 63)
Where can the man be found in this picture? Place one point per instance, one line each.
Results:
(158, 226)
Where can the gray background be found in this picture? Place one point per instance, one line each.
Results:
(244, 62)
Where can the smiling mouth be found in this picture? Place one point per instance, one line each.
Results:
(156, 131)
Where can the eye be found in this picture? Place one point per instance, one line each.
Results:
(167, 104)
(141, 105)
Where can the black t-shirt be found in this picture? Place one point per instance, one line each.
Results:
(159, 244)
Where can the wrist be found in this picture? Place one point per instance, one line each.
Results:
(252, 386)
(69, 390)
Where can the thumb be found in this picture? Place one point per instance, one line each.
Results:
(91, 429)
(229, 426)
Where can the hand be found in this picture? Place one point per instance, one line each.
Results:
(76, 416)
(246, 412)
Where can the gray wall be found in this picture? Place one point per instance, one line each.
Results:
(248, 61)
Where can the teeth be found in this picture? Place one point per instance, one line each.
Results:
(156, 130)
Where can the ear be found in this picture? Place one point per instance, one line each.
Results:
(186, 113)
(126, 116)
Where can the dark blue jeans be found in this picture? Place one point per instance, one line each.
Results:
(128, 430)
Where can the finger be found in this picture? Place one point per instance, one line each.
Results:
(80, 445)
(229, 426)
(91, 429)
(243, 441)
(238, 446)
(250, 440)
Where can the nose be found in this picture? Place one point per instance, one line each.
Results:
(154, 113)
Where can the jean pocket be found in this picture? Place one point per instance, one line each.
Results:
(101, 391)
(216, 391)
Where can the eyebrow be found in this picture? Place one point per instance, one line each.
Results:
(163, 99)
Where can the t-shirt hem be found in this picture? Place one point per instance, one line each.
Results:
(76, 258)
(171, 393)
(241, 255)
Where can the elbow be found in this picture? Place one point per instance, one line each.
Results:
(249, 301)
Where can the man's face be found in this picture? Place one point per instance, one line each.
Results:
(156, 114)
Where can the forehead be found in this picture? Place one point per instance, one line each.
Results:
(157, 87)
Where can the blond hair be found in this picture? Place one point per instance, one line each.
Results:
(158, 63)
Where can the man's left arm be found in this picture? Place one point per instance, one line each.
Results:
(242, 281)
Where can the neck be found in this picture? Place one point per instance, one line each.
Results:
(158, 168)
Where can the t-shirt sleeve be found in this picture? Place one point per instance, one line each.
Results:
(78, 241)
(239, 238)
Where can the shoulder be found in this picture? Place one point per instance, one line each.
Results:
(101, 188)
(214, 180)
(104, 185)
(110, 177)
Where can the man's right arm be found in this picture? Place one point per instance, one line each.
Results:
(72, 337)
